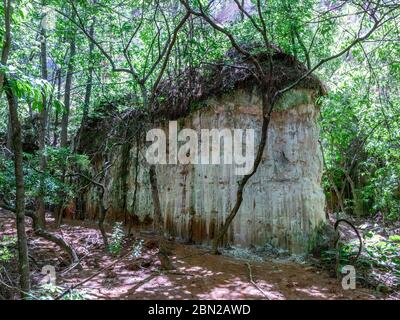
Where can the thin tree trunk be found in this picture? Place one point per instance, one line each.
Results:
(331, 181)
(243, 181)
(55, 135)
(57, 209)
(9, 133)
(65, 116)
(89, 82)
(102, 217)
(6, 39)
(15, 126)
(165, 261)
(89, 85)
(156, 200)
(4, 58)
(67, 95)
(23, 261)
(103, 209)
(135, 184)
(357, 209)
(42, 131)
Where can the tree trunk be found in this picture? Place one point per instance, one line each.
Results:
(23, 261)
(102, 217)
(15, 126)
(4, 58)
(9, 133)
(6, 39)
(89, 81)
(357, 204)
(135, 184)
(67, 95)
(239, 194)
(158, 226)
(42, 132)
(332, 182)
(89, 84)
(65, 115)
(163, 252)
(58, 210)
(55, 134)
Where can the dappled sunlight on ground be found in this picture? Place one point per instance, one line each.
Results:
(197, 274)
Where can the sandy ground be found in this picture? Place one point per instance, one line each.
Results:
(198, 274)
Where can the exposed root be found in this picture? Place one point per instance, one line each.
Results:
(254, 283)
(91, 277)
(73, 266)
(60, 242)
(40, 232)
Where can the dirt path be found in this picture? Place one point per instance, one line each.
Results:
(198, 275)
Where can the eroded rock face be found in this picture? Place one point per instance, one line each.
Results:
(283, 202)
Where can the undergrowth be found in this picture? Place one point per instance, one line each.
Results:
(378, 266)
(117, 236)
(50, 292)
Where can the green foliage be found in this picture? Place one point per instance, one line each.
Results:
(361, 128)
(117, 236)
(137, 248)
(394, 238)
(7, 178)
(383, 253)
(379, 259)
(50, 292)
(360, 122)
(30, 89)
(7, 248)
(60, 162)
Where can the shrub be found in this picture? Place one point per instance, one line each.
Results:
(117, 236)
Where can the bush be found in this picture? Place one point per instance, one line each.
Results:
(117, 236)
(50, 292)
(7, 248)
(378, 265)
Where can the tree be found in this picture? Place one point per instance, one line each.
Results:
(43, 114)
(67, 91)
(23, 262)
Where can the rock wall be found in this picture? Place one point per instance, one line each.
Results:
(283, 202)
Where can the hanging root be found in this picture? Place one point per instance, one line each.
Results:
(355, 230)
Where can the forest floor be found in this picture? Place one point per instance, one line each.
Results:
(198, 274)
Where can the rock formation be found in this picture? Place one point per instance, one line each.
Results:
(283, 202)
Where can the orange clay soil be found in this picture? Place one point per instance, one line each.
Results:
(198, 274)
